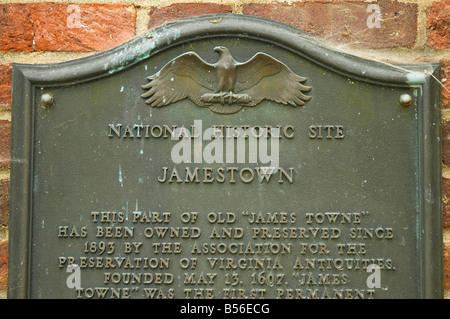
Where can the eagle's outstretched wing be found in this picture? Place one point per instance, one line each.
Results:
(187, 75)
(263, 77)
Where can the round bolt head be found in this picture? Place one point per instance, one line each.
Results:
(405, 100)
(47, 100)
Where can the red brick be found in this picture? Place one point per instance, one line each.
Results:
(446, 143)
(446, 266)
(5, 85)
(159, 16)
(438, 24)
(4, 202)
(445, 79)
(16, 28)
(5, 143)
(101, 27)
(346, 21)
(446, 201)
(51, 27)
(3, 265)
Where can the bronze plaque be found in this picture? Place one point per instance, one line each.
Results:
(225, 157)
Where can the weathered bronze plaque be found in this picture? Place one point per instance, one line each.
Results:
(225, 157)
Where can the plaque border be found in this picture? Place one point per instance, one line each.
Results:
(26, 78)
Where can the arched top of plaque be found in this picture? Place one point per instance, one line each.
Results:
(216, 26)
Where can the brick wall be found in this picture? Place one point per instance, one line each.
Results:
(33, 31)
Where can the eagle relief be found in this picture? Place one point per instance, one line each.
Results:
(227, 85)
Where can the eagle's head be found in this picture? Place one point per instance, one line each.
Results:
(221, 50)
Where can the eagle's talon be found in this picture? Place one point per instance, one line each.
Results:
(222, 96)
